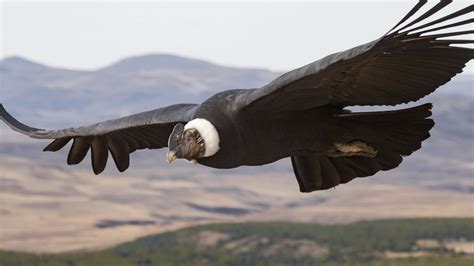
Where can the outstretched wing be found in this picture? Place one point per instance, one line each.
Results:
(406, 64)
(147, 130)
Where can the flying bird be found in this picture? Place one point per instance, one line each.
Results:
(301, 114)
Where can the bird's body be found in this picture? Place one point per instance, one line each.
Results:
(300, 115)
(286, 133)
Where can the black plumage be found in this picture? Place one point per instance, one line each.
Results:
(301, 114)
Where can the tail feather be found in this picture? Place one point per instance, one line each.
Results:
(393, 133)
(401, 130)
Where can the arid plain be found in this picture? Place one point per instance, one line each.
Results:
(47, 206)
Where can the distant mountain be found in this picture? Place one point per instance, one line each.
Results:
(50, 97)
(159, 61)
(131, 85)
(36, 187)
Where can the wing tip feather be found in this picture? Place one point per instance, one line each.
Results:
(16, 125)
(57, 144)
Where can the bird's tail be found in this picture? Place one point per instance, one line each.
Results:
(388, 135)
(400, 131)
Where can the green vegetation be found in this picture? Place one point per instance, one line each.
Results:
(384, 242)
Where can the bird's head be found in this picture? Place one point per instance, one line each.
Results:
(196, 140)
(185, 143)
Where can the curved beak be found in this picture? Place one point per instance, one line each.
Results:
(171, 156)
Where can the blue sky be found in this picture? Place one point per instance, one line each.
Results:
(274, 35)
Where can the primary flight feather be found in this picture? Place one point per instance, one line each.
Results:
(300, 114)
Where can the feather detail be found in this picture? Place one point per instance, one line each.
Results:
(208, 133)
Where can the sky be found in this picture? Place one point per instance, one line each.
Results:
(273, 35)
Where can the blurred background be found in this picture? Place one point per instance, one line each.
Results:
(67, 64)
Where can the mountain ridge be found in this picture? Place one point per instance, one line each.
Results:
(127, 86)
(154, 196)
(167, 61)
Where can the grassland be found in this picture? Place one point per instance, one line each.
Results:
(383, 242)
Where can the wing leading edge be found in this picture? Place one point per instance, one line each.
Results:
(406, 64)
(122, 136)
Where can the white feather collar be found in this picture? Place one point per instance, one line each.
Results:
(208, 133)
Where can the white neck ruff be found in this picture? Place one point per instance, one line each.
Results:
(208, 133)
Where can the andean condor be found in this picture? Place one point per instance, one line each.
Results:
(301, 113)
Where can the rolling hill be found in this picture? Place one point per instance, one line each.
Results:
(48, 206)
(386, 242)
